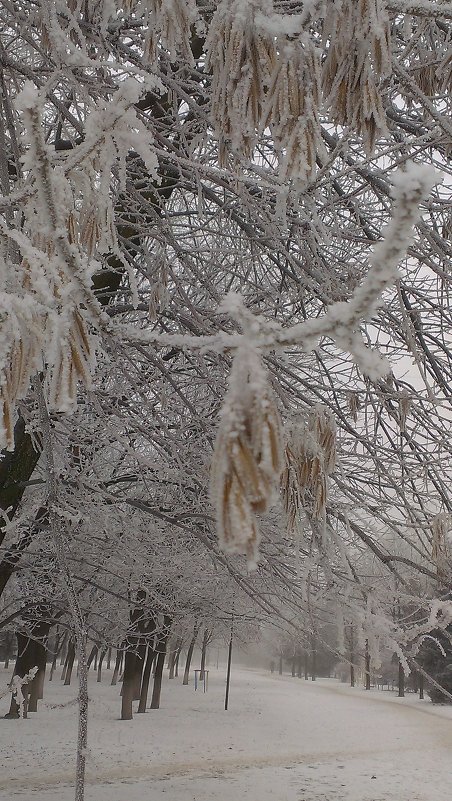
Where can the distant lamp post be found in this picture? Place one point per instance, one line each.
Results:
(228, 674)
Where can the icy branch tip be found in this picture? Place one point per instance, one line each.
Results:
(28, 98)
(415, 181)
(232, 304)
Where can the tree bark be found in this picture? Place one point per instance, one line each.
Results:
(174, 657)
(8, 648)
(299, 665)
(99, 667)
(421, 687)
(117, 668)
(401, 682)
(92, 656)
(367, 666)
(150, 655)
(128, 686)
(205, 640)
(176, 664)
(189, 655)
(314, 661)
(70, 663)
(58, 644)
(161, 651)
(28, 657)
(36, 687)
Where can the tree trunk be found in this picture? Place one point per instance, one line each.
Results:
(189, 655)
(280, 665)
(99, 667)
(176, 663)
(146, 677)
(299, 665)
(36, 688)
(160, 662)
(205, 640)
(8, 648)
(306, 666)
(70, 663)
(138, 671)
(314, 661)
(28, 657)
(128, 686)
(58, 644)
(352, 657)
(294, 667)
(92, 657)
(63, 652)
(109, 659)
(173, 657)
(401, 693)
(421, 686)
(117, 668)
(367, 666)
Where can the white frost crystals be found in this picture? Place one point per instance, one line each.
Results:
(49, 315)
(248, 458)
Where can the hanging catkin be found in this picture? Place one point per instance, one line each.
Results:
(241, 57)
(292, 104)
(247, 459)
(359, 56)
(310, 459)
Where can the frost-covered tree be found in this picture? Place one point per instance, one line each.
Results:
(159, 155)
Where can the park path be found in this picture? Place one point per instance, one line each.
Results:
(282, 739)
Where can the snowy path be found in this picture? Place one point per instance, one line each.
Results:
(283, 739)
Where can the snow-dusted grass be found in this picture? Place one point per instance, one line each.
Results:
(282, 739)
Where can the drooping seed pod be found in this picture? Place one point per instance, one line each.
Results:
(359, 56)
(241, 57)
(310, 459)
(291, 108)
(247, 458)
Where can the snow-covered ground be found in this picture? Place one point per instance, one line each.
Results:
(283, 739)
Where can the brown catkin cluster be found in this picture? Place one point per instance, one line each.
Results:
(247, 459)
(241, 57)
(310, 459)
(292, 107)
(24, 354)
(264, 78)
(358, 58)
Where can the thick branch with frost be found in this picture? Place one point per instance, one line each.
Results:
(424, 8)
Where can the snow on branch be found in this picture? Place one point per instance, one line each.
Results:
(48, 312)
(423, 8)
(341, 321)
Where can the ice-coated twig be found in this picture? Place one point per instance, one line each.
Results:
(341, 321)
